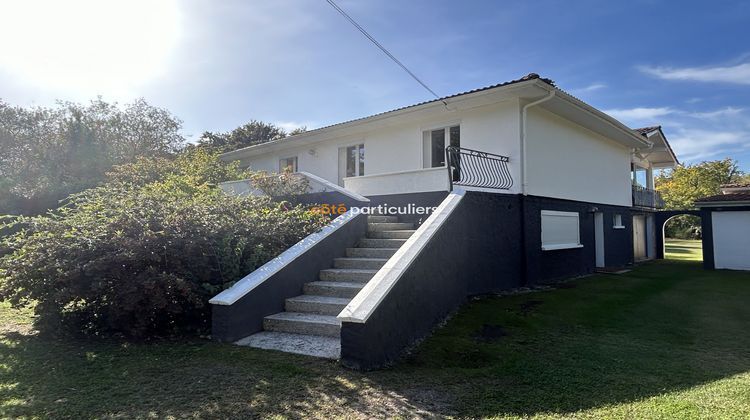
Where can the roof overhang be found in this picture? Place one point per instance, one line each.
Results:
(661, 154)
(389, 118)
(562, 104)
(745, 203)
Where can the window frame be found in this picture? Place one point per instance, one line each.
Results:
(617, 221)
(295, 163)
(634, 171)
(427, 148)
(556, 245)
(359, 149)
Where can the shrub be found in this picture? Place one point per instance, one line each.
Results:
(142, 254)
(285, 184)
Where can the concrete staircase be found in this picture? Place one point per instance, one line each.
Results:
(309, 325)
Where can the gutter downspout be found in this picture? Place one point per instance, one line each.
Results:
(523, 137)
(524, 221)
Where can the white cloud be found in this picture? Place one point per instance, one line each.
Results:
(293, 125)
(739, 73)
(654, 115)
(590, 88)
(719, 113)
(695, 135)
(639, 114)
(700, 144)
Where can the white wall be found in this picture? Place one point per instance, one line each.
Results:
(568, 161)
(492, 128)
(731, 235)
(423, 180)
(565, 160)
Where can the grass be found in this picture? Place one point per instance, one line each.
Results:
(666, 340)
(683, 249)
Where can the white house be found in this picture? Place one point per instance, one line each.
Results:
(535, 185)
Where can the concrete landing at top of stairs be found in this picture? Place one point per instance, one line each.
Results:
(308, 345)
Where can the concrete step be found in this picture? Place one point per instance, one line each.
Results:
(340, 289)
(374, 227)
(359, 263)
(308, 345)
(323, 305)
(351, 275)
(382, 219)
(303, 323)
(380, 243)
(370, 252)
(391, 234)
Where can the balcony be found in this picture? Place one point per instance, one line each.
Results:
(647, 198)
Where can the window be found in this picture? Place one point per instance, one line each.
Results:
(434, 144)
(354, 158)
(617, 222)
(640, 176)
(560, 230)
(288, 164)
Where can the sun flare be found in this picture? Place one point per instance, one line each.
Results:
(88, 46)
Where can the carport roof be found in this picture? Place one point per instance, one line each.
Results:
(734, 199)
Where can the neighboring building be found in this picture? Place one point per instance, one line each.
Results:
(544, 187)
(726, 228)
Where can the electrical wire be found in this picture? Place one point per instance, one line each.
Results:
(382, 48)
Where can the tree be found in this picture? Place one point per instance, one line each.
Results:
(744, 179)
(684, 184)
(250, 134)
(49, 153)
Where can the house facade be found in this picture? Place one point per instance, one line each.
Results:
(529, 185)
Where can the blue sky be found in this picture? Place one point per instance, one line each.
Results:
(216, 65)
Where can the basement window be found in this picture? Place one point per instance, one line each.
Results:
(560, 230)
(617, 222)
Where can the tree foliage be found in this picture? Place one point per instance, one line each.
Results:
(142, 253)
(250, 134)
(48, 153)
(683, 185)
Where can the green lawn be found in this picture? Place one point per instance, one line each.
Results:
(666, 340)
(683, 249)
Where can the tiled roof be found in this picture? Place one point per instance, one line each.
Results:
(646, 130)
(735, 185)
(720, 198)
(530, 76)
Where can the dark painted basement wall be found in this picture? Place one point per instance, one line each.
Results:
(431, 287)
(549, 266)
(618, 243)
(424, 199)
(482, 248)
